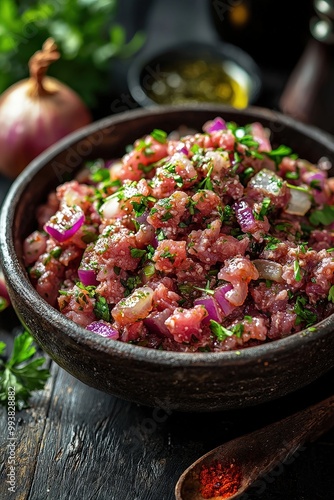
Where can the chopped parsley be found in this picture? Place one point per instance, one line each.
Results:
(331, 294)
(324, 216)
(159, 135)
(279, 153)
(137, 253)
(101, 308)
(297, 270)
(264, 209)
(206, 183)
(223, 333)
(304, 315)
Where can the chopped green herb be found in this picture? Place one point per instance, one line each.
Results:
(268, 283)
(167, 255)
(249, 319)
(130, 284)
(117, 270)
(331, 294)
(264, 209)
(297, 270)
(324, 216)
(159, 135)
(21, 371)
(101, 308)
(304, 314)
(160, 235)
(206, 183)
(330, 250)
(220, 331)
(279, 153)
(56, 252)
(298, 188)
(100, 175)
(292, 175)
(137, 253)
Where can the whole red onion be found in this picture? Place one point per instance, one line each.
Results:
(36, 112)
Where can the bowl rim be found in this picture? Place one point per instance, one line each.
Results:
(19, 283)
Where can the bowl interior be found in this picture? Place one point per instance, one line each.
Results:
(258, 373)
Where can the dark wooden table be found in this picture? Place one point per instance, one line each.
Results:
(78, 443)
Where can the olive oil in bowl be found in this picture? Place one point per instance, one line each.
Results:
(199, 80)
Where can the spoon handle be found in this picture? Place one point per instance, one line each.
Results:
(279, 441)
(258, 452)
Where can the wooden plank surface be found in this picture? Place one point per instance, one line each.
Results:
(78, 443)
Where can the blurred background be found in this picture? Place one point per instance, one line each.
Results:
(100, 40)
(119, 55)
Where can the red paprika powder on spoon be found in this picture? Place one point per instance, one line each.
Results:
(219, 481)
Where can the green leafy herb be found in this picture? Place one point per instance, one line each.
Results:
(292, 175)
(304, 315)
(3, 303)
(264, 209)
(272, 242)
(137, 253)
(86, 33)
(330, 250)
(101, 308)
(220, 331)
(324, 216)
(159, 135)
(279, 153)
(297, 270)
(206, 183)
(331, 294)
(130, 284)
(298, 188)
(22, 371)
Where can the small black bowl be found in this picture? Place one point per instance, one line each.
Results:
(181, 381)
(146, 67)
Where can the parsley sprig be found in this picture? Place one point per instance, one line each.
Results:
(22, 370)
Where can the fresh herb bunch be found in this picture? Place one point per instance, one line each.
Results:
(85, 32)
(22, 370)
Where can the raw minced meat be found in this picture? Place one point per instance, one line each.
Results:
(212, 241)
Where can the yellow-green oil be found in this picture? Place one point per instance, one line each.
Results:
(199, 81)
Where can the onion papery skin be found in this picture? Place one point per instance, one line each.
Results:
(30, 122)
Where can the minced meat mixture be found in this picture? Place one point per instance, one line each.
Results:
(211, 241)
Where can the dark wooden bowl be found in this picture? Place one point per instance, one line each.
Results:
(181, 381)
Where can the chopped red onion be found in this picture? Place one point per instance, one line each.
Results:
(181, 148)
(103, 329)
(142, 219)
(65, 223)
(155, 322)
(211, 306)
(215, 125)
(220, 296)
(87, 277)
(244, 215)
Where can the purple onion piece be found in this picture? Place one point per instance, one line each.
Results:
(220, 296)
(182, 149)
(244, 215)
(87, 277)
(319, 177)
(212, 308)
(215, 125)
(64, 224)
(155, 322)
(142, 219)
(103, 330)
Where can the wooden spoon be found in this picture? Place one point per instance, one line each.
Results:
(259, 452)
